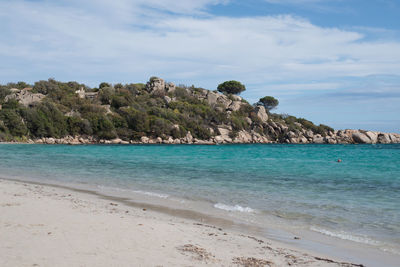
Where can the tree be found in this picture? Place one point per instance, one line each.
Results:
(269, 102)
(13, 121)
(45, 87)
(46, 120)
(231, 87)
(104, 84)
(4, 91)
(106, 94)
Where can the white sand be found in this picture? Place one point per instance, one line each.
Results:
(51, 226)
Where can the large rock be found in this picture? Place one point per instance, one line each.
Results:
(394, 138)
(115, 141)
(236, 98)
(235, 106)
(170, 87)
(361, 138)
(167, 99)
(243, 137)
(50, 141)
(309, 134)
(219, 139)
(262, 113)
(188, 138)
(332, 141)
(25, 97)
(303, 140)
(318, 139)
(144, 139)
(292, 134)
(224, 101)
(373, 136)
(159, 86)
(384, 138)
(248, 120)
(155, 85)
(224, 132)
(212, 98)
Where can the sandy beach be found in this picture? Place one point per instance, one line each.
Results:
(50, 226)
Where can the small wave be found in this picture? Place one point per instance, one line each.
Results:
(152, 194)
(233, 208)
(347, 236)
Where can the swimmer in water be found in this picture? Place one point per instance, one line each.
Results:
(339, 160)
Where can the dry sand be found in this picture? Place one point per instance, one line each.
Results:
(51, 226)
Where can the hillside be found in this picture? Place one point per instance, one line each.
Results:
(156, 112)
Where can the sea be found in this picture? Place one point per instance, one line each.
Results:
(280, 191)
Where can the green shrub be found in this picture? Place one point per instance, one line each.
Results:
(46, 120)
(4, 91)
(106, 95)
(13, 122)
(102, 126)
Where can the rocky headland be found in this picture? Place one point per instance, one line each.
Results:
(238, 123)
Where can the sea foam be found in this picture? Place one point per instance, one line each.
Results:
(347, 236)
(233, 208)
(151, 194)
(147, 193)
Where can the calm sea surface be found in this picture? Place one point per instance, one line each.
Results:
(301, 185)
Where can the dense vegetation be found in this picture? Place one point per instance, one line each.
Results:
(126, 111)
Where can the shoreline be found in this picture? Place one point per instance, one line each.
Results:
(337, 137)
(189, 217)
(202, 143)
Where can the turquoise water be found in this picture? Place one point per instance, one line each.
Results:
(302, 185)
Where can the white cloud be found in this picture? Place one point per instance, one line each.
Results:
(121, 37)
(129, 41)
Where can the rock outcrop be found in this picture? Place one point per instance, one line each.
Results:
(159, 86)
(361, 138)
(25, 97)
(262, 113)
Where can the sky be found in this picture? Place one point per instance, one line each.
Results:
(335, 62)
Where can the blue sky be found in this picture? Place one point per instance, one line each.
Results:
(335, 62)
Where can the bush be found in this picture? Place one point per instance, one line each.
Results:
(46, 120)
(18, 85)
(135, 88)
(78, 126)
(104, 85)
(4, 91)
(138, 121)
(102, 126)
(12, 104)
(106, 95)
(45, 87)
(13, 122)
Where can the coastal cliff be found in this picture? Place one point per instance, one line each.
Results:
(52, 112)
